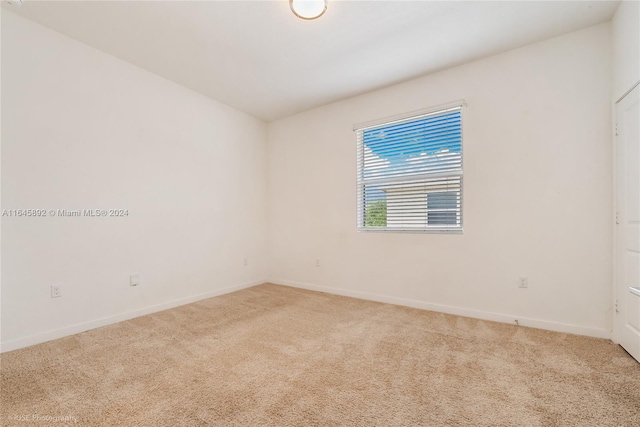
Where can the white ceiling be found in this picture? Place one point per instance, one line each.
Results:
(258, 57)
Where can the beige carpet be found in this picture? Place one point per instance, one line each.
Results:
(277, 356)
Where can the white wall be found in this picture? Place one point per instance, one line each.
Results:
(537, 195)
(625, 34)
(82, 129)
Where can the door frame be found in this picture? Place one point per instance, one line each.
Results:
(614, 334)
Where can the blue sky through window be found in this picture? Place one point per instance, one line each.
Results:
(423, 136)
(414, 147)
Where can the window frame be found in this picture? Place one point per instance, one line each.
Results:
(361, 182)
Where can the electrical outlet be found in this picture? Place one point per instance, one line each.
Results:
(134, 279)
(317, 263)
(56, 291)
(246, 262)
(523, 282)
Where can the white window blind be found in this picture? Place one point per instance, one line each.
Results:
(410, 172)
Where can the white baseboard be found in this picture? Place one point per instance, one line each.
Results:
(104, 321)
(465, 312)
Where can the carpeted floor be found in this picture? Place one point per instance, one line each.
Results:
(278, 356)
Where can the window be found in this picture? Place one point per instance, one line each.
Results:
(410, 172)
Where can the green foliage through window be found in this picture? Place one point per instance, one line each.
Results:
(376, 214)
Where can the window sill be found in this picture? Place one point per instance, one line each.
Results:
(405, 231)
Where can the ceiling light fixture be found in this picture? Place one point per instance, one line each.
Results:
(308, 9)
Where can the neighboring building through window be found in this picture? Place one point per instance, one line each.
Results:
(410, 172)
